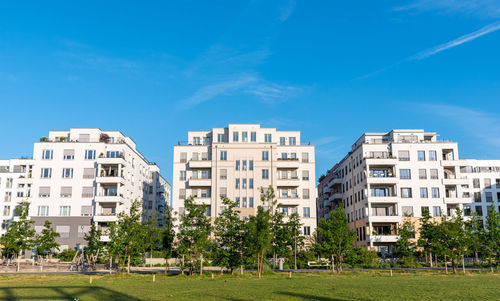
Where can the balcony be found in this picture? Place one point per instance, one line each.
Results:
(105, 238)
(200, 182)
(292, 200)
(109, 199)
(383, 238)
(200, 164)
(389, 198)
(457, 200)
(116, 160)
(335, 195)
(288, 182)
(288, 163)
(382, 180)
(452, 180)
(110, 180)
(380, 158)
(105, 218)
(385, 218)
(202, 200)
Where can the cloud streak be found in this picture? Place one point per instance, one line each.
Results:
(480, 8)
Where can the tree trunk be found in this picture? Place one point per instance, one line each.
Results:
(476, 257)
(445, 264)
(166, 266)
(431, 258)
(151, 259)
(110, 264)
(128, 264)
(333, 264)
(426, 259)
(463, 264)
(258, 264)
(182, 265)
(454, 265)
(201, 264)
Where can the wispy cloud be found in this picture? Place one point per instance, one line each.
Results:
(439, 48)
(272, 93)
(287, 10)
(480, 8)
(457, 42)
(483, 125)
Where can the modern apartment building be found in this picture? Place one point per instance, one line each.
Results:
(387, 177)
(15, 187)
(82, 176)
(236, 161)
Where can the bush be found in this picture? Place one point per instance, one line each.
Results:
(360, 255)
(66, 255)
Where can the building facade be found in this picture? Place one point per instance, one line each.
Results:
(15, 187)
(236, 161)
(85, 176)
(388, 177)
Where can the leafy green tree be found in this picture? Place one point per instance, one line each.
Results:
(126, 235)
(46, 242)
(452, 236)
(491, 237)
(360, 255)
(167, 236)
(428, 239)
(335, 237)
(151, 234)
(94, 244)
(229, 232)
(475, 233)
(194, 233)
(20, 233)
(405, 247)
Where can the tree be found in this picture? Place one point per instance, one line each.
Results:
(94, 244)
(452, 236)
(167, 236)
(151, 234)
(405, 247)
(229, 233)
(335, 237)
(46, 241)
(259, 235)
(491, 237)
(194, 233)
(20, 233)
(428, 240)
(296, 240)
(126, 235)
(474, 232)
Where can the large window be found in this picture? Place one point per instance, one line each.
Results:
(421, 155)
(435, 192)
(250, 165)
(67, 173)
(422, 174)
(404, 155)
(244, 165)
(43, 210)
(253, 136)
(268, 138)
(405, 174)
(47, 154)
(423, 192)
(282, 140)
(432, 156)
(223, 174)
(237, 164)
(250, 183)
(235, 137)
(250, 202)
(265, 174)
(307, 212)
(265, 156)
(89, 154)
(406, 192)
(69, 154)
(46, 173)
(237, 184)
(244, 136)
(220, 138)
(223, 155)
(64, 210)
(292, 140)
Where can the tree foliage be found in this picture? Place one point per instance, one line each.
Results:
(46, 241)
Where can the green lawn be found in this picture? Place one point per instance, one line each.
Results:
(312, 286)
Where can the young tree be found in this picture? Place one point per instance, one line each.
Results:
(405, 247)
(229, 237)
(151, 234)
(491, 237)
(194, 233)
(452, 236)
(46, 242)
(127, 234)
(167, 236)
(335, 237)
(428, 239)
(474, 232)
(295, 239)
(94, 244)
(20, 234)
(259, 236)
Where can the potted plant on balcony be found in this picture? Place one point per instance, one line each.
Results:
(104, 138)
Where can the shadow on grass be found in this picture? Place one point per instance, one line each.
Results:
(309, 297)
(62, 293)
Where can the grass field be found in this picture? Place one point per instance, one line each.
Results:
(311, 286)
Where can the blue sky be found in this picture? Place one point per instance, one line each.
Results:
(331, 69)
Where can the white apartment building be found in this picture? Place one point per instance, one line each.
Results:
(15, 187)
(236, 161)
(390, 176)
(83, 175)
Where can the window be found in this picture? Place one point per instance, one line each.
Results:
(182, 175)
(237, 165)
(282, 140)
(235, 136)
(244, 202)
(253, 136)
(436, 211)
(477, 197)
(489, 196)
(292, 141)
(244, 165)
(88, 173)
(250, 202)
(432, 156)
(423, 192)
(237, 185)
(67, 173)
(223, 155)
(284, 156)
(223, 174)
(63, 231)
(434, 174)
(424, 210)
(406, 192)
(244, 136)
(305, 194)
(250, 165)
(220, 138)
(46, 173)
(64, 210)
(8, 196)
(405, 174)
(43, 210)
(421, 155)
(404, 155)
(44, 192)
(66, 192)
(305, 175)
(265, 156)
(422, 174)
(113, 154)
(307, 230)
(182, 193)
(307, 211)
(487, 183)
(87, 192)
(223, 192)
(183, 157)
(305, 157)
(435, 192)
(244, 183)
(69, 154)
(265, 174)
(267, 138)
(237, 202)
(407, 210)
(479, 210)
(6, 210)
(250, 183)
(467, 210)
(47, 154)
(476, 183)
(196, 140)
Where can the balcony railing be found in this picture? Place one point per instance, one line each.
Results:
(288, 159)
